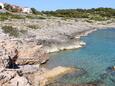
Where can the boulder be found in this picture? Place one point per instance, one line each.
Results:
(32, 54)
(21, 52)
(13, 78)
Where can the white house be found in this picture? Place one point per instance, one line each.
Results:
(26, 10)
(1, 5)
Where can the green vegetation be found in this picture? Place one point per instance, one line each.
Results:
(8, 7)
(13, 31)
(35, 17)
(0, 7)
(34, 11)
(41, 17)
(34, 26)
(5, 16)
(98, 14)
(10, 30)
(89, 21)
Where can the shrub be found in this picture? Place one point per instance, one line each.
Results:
(41, 17)
(23, 31)
(34, 11)
(3, 16)
(17, 17)
(0, 7)
(34, 27)
(89, 21)
(11, 31)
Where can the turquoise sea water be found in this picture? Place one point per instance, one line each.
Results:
(95, 58)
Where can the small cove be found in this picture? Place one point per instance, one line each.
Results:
(94, 58)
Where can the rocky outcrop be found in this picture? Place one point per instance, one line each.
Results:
(55, 34)
(20, 76)
(13, 78)
(18, 81)
(32, 54)
(32, 75)
(30, 48)
(6, 76)
(21, 52)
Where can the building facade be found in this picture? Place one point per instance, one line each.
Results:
(26, 10)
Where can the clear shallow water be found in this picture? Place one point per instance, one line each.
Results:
(95, 58)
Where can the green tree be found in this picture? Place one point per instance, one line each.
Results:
(0, 7)
(8, 7)
(34, 11)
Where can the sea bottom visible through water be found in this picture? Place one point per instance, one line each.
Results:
(96, 58)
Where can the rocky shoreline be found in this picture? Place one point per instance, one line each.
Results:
(56, 34)
(31, 48)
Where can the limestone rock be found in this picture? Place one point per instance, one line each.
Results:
(32, 54)
(51, 75)
(18, 81)
(29, 68)
(6, 76)
(22, 52)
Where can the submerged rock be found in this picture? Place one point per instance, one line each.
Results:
(51, 75)
(110, 69)
(67, 84)
(95, 83)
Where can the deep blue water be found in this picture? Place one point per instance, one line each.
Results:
(95, 58)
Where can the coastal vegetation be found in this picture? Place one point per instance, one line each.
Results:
(35, 11)
(34, 26)
(6, 16)
(12, 31)
(97, 14)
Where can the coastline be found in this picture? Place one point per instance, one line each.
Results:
(56, 35)
(78, 43)
(93, 56)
